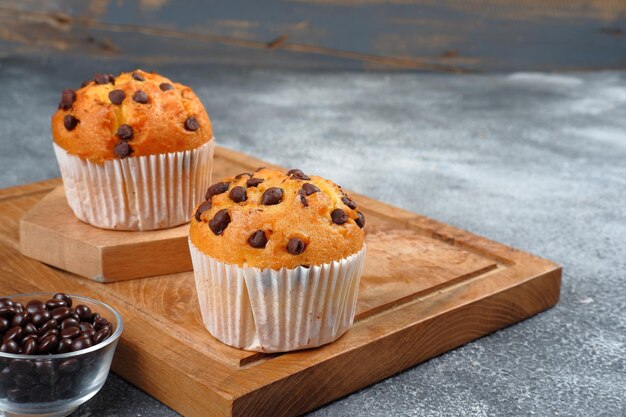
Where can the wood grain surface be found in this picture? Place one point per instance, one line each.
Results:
(426, 35)
(427, 288)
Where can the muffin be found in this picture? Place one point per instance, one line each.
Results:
(277, 260)
(135, 151)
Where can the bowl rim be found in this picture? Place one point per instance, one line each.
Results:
(113, 338)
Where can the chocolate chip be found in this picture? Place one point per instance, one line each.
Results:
(10, 346)
(84, 312)
(303, 199)
(63, 297)
(219, 222)
(125, 132)
(202, 208)
(360, 220)
(242, 174)
(122, 150)
(138, 76)
(297, 174)
(166, 86)
(117, 96)
(259, 169)
(339, 216)
(85, 83)
(81, 343)
(257, 240)
(272, 196)
(104, 79)
(35, 305)
(70, 122)
(254, 182)
(68, 97)
(191, 124)
(309, 189)
(215, 189)
(140, 97)
(238, 194)
(296, 246)
(53, 303)
(348, 202)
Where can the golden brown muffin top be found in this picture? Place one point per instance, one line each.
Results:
(133, 114)
(269, 219)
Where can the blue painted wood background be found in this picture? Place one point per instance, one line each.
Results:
(431, 35)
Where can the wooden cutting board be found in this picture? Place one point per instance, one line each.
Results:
(427, 288)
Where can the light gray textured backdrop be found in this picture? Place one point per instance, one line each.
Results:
(536, 161)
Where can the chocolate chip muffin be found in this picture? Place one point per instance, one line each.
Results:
(277, 260)
(134, 150)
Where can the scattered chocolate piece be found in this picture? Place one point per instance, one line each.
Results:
(360, 220)
(242, 174)
(272, 196)
(122, 150)
(104, 79)
(297, 174)
(238, 194)
(309, 188)
(348, 202)
(85, 83)
(191, 124)
(339, 216)
(202, 208)
(70, 122)
(138, 76)
(140, 97)
(166, 86)
(68, 97)
(254, 182)
(125, 132)
(302, 195)
(117, 96)
(296, 246)
(219, 222)
(215, 189)
(257, 240)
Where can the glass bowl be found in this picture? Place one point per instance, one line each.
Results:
(55, 385)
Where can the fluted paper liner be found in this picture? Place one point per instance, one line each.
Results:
(137, 193)
(270, 310)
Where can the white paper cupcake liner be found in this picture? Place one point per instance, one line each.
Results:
(137, 193)
(282, 310)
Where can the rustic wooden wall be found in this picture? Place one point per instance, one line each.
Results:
(434, 35)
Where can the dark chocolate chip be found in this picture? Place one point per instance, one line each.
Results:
(5, 324)
(21, 319)
(29, 346)
(296, 246)
(7, 312)
(202, 208)
(272, 196)
(309, 188)
(52, 304)
(238, 194)
(85, 326)
(138, 76)
(104, 79)
(88, 333)
(85, 83)
(215, 189)
(259, 169)
(6, 302)
(166, 86)
(14, 333)
(297, 174)
(70, 122)
(303, 199)
(68, 97)
(64, 297)
(348, 202)
(70, 333)
(117, 96)
(339, 216)
(65, 345)
(30, 329)
(39, 318)
(48, 344)
(257, 240)
(60, 313)
(360, 220)
(219, 222)
(254, 182)
(242, 174)
(140, 97)
(122, 150)
(191, 124)
(49, 325)
(125, 132)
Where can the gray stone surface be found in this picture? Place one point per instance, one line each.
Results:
(536, 161)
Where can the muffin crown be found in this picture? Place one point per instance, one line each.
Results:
(134, 114)
(269, 219)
